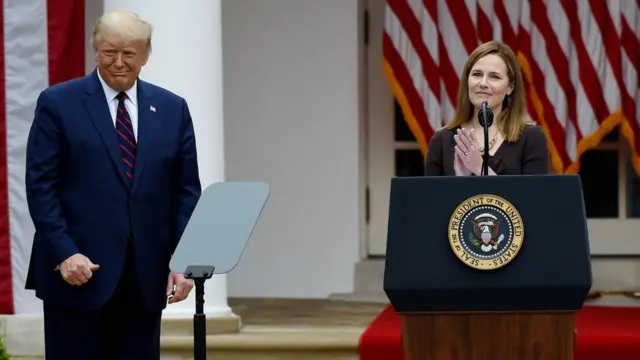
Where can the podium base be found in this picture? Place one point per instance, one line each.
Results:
(489, 335)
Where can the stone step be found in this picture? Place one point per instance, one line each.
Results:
(267, 342)
(184, 326)
(25, 340)
(362, 296)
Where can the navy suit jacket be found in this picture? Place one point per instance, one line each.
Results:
(78, 197)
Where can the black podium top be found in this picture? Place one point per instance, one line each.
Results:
(495, 243)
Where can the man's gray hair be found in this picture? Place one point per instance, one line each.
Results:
(126, 25)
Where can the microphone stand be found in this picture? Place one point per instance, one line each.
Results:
(485, 117)
(485, 154)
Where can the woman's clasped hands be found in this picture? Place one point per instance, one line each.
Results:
(468, 159)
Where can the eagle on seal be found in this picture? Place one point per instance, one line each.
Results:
(486, 228)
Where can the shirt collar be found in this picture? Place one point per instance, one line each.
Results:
(111, 94)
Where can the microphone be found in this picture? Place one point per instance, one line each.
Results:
(485, 118)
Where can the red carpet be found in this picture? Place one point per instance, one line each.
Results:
(603, 333)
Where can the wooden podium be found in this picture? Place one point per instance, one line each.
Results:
(495, 336)
(487, 268)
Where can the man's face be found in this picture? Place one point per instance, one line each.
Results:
(120, 61)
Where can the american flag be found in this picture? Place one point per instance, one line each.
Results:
(42, 42)
(580, 61)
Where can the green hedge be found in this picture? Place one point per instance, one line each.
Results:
(4, 355)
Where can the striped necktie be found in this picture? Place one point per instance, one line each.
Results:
(126, 139)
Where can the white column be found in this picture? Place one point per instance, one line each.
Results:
(187, 60)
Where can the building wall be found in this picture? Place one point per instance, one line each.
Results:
(291, 78)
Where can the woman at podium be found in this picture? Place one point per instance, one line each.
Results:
(491, 78)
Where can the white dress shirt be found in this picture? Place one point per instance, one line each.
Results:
(131, 103)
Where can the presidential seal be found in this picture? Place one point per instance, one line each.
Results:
(486, 232)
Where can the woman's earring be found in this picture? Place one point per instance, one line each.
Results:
(506, 103)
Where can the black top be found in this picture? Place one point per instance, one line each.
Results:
(526, 156)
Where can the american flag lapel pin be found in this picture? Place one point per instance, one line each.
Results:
(152, 108)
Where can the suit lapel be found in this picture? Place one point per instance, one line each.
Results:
(98, 109)
(148, 124)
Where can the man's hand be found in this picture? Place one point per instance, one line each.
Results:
(178, 287)
(77, 269)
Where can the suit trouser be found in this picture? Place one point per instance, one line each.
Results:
(124, 329)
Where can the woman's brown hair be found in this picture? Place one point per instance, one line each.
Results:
(513, 117)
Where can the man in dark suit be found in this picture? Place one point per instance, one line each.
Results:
(112, 179)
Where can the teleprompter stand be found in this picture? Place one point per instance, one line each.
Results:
(199, 274)
(214, 240)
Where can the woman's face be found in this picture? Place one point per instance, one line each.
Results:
(488, 81)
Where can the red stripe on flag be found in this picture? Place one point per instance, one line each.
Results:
(413, 30)
(588, 75)
(66, 35)
(550, 119)
(557, 58)
(484, 27)
(66, 60)
(613, 51)
(463, 23)
(631, 45)
(448, 73)
(450, 79)
(406, 83)
(6, 277)
(509, 36)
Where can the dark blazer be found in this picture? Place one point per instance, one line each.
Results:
(526, 156)
(79, 200)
